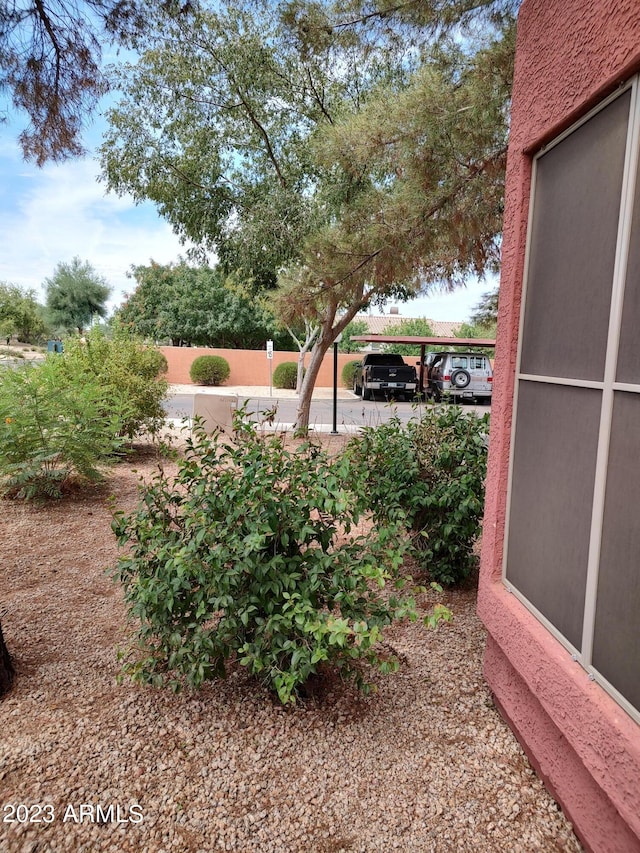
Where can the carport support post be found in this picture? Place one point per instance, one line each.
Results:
(334, 431)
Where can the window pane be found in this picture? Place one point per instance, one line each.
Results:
(572, 248)
(616, 650)
(629, 352)
(551, 500)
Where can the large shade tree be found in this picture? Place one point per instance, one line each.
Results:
(348, 157)
(427, 207)
(195, 306)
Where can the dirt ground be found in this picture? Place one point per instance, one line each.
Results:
(425, 765)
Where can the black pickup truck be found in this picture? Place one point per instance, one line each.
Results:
(386, 373)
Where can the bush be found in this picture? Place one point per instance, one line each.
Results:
(286, 375)
(431, 474)
(54, 429)
(241, 557)
(128, 374)
(209, 370)
(348, 372)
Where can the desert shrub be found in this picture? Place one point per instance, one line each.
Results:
(242, 556)
(53, 429)
(129, 374)
(286, 375)
(348, 372)
(431, 474)
(209, 370)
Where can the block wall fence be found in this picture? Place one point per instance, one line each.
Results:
(248, 367)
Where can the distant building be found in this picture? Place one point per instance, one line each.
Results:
(380, 323)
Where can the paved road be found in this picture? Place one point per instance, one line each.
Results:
(351, 413)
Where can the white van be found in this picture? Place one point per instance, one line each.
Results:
(459, 376)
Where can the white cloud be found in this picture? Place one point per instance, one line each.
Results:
(52, 214)
(457, 306)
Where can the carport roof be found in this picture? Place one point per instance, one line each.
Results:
(420, 341)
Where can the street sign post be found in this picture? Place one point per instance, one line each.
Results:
(270, 358)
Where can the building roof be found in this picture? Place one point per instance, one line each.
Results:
(377, 325)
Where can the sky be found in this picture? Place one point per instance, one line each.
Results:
(53, 214)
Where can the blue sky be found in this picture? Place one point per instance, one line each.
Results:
(52, 214)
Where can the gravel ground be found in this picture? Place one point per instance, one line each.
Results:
(426, 764)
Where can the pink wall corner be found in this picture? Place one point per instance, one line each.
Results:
(570, 54)
(596, 820)
(565, 721)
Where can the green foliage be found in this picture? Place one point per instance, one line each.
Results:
(417, 327)
(54, 429)
(355, 327)
(286, 375)
(357, 186)
(431, 475)
(128, 373)
(242, 558)
(485, 313)
(209, 370)
(75, 293)
(348, 372)
(475, 329)
(198, 306)
(20, 314)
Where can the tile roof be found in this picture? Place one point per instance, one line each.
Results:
(378, 325)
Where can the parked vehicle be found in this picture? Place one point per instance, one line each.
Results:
(386, 373)
(459, 376)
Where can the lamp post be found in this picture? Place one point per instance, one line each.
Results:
(334, 431)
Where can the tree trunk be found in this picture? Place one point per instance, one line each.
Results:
(6, 667)
(308, 383)
(300, 374)
(327, 335)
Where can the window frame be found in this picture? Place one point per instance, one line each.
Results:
(607, 387)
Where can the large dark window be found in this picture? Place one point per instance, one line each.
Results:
(573, 534)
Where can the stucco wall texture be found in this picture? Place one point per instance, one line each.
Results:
(570, 55)
(248, 367)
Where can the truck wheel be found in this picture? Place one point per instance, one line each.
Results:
(366, 393)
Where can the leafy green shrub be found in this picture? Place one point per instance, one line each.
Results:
(241, 557)
(286, 375)
(348, 372)
(431, 474)
(209, 370)
(53, 429)
(128, 373)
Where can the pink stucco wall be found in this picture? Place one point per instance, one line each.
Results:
(248, 367)
(570, 54)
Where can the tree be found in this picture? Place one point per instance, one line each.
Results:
(296, 142)
(75, 293)
(355, 327)
(20, 313)
(50, 55)
(410, 326)
(485, 314)
(430, 208)
(195, 305)
(483, 321)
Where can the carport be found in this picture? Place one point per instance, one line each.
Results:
(423, 343)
